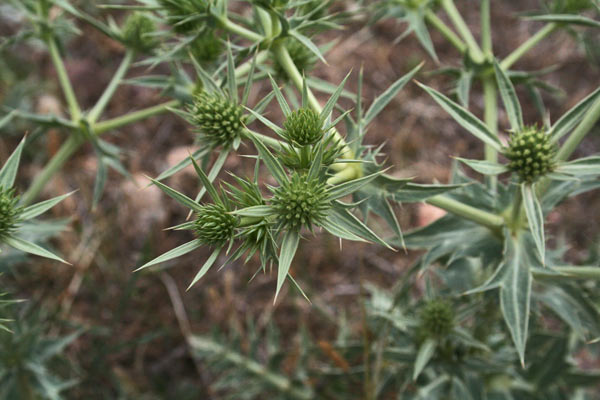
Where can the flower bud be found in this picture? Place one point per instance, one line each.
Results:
(219, 120)
(214, 225)
(301, 202)
(137, 32)
(531, 154)
(179, 11)
(436, 318)
(9, 211)
(303, 127)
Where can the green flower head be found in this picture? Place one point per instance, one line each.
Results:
(214, 225)
(303, 127)
(9, 211)
(436, 318)
(137, 32)
(179, 13)
(219, 120)
(531, 154)
(301, 202)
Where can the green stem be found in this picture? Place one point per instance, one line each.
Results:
(117, 122)
(95, 113)
(491, 120)
(240, 30)
(243, 69)
(516, 213)
(583, 272)
(486, 29)
(452, 37)
(62, 155)
(527, 45)
(587, 123)
(63, 79)
(492, 221)
(463, 30)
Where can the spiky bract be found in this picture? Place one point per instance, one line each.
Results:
(531, 154)
(219, 119)
(436, 318)
(214, 225)
(301, 201)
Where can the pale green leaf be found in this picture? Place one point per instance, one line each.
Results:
(289, 246)
(573, 116)
(426, 352)
(484, 167)
(209, 263)
(535, 217)
(40, 208)
(509, 98)
(8, 173)
(174, 253)
(581, 166)
(30, 248)
(179, 197)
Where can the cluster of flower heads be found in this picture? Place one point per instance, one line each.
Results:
(531, 154)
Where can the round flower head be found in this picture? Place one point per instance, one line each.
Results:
(436, 318)
(178, 11)
(219, 119)
(214, 225)
(206, 48)
(303, 127)
(9, 211)
(303, 58)
(137, 32)
(301, 202)
(531, 154)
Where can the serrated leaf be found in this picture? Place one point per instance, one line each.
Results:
(383, 99)
(484, 167)
(535, 217)
(509, 98)
(40, 208)
(465, 118)
(174, 253)
(289, 245)
(8, 173)
(515, 294)
(580, 167)
(573, 116)
(31, 248)
(424, 355)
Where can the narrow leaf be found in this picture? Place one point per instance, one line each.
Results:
(426, 352)
(209, 263)
(580, 167)
(280, 99)
(8, 173)
(272, 164)
(570, 19)
(533, 209)
(573, 116)
(31, 248)
(40, 208)
(254, 211)
(308, 43)
(352, 186)
(484, 167)
(509, 98)
(465, 118)
(206, 181)
(333, 99)
(286, 255)
(174, 253)
(179, 197)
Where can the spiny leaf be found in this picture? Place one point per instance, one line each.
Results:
(40, 208)
(286, 255)
(509, 98)
(8, 173)
(174, 253)
(31, 248)
(535, 217)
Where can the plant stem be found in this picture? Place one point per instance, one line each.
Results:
(516, 211)
(117, 122)
(489, 220)
(344, 175)
(463, 30)
(240, 30)
(452, 37)
(587, 123)
(95, 113)
(62, 155)
(280, 382)
(491, 120)
(243, 69)
(486, 29)
(583, 272)
(527, 45)
(63, 79)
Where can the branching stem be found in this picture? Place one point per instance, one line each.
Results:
(489, 220)
(463, 30)
(528, 45)
(63, 79)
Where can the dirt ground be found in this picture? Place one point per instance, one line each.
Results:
(133, 338)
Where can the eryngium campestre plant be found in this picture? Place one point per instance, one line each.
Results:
(214, 225)
(9, 211)
(137, 32)
(436, 319)
(303, 127)
(218, 119)
(300, 202)
(531, 154)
